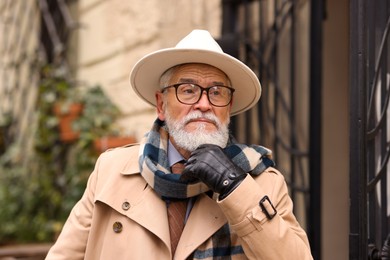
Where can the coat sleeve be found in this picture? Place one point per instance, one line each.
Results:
(72, 241)
(262, 238)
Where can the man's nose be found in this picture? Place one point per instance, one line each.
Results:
(203, 104)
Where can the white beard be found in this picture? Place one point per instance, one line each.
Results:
(189, 141)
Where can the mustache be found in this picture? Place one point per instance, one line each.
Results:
(200, 115)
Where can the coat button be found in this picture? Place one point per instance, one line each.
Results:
(117, 227)
(125, 205)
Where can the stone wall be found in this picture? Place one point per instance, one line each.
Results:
(19, 56)
(114, 35)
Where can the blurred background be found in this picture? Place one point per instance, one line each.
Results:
(65, 97)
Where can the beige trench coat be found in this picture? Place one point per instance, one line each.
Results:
(121, 217)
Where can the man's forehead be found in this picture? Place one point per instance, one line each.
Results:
(192, 72)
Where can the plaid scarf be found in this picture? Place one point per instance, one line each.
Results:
(155, 169)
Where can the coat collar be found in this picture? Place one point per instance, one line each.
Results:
(131, 166)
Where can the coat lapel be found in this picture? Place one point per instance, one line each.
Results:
(205, 219)
(144, 206)
(151, 213)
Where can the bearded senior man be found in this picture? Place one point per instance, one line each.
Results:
(228, 202)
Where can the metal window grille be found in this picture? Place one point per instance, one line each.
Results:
(369, 129)
(264, 35)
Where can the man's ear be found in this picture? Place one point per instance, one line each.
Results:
(159, 105)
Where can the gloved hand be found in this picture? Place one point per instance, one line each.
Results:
(211, 165)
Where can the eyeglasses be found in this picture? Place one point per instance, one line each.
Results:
(190, 93)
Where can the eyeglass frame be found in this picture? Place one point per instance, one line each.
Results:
(177, 85)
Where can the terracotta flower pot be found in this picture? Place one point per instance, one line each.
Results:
(108, 142)
(66, 116)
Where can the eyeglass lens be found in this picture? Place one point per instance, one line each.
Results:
(191, 93)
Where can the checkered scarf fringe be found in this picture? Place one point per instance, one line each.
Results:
(153, 161)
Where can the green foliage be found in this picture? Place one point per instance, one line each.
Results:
(97, 117)
(39, 186)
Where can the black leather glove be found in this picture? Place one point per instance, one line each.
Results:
(211, 165)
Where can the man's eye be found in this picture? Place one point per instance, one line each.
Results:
(215, 91)
(188, 89)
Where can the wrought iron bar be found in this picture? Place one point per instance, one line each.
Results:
(314, 215)
(358, 200)
(50, 25)
(69, 21)
(377, 64)
(381, 172)
(382, 118)
(383, 223)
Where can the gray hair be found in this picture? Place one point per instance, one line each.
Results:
(166, 76)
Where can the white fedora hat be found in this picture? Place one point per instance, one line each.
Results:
(196, 47)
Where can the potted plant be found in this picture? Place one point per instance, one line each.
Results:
(59, 103)
(67, 113)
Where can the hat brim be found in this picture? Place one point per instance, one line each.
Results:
(145, 76)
